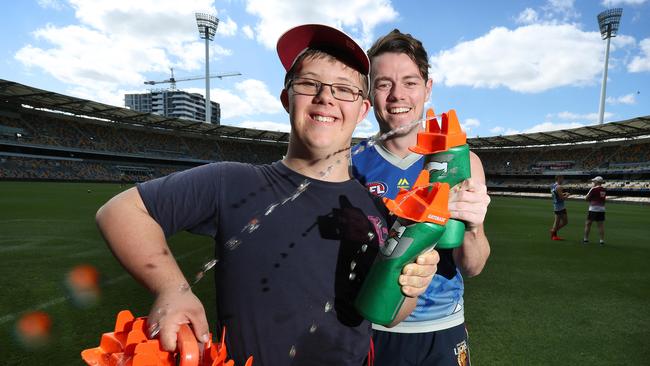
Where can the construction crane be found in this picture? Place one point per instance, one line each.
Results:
(173, 80)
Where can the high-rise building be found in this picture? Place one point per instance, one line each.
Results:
(173, 103)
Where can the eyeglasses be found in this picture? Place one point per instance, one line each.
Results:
(306, 86)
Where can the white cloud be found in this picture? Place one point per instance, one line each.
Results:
(248, 32)
(358, 18)
(587, 118)
(553, 126)
(641, 63)
(249, 98)
(469, 123)
(528, 59)
(50, 4)
(148, 36)
(624, 99)
(610, 3)
(365, 129)
(504, 131)
(227, 27)
(528, 16)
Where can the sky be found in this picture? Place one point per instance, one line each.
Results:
(506, 67)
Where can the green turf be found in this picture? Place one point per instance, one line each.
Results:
(537, 302)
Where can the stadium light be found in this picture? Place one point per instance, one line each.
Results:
(207, 28)
(608, 22)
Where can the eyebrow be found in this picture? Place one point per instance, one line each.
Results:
(316, 76)
(410, 76)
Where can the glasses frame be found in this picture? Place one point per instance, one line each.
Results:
(320, 85)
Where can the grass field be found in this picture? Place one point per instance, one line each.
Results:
(537, 302)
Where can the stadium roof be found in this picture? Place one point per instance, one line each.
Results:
(17, 94)
(631, 128)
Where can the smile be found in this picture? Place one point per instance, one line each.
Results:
(399, 110)
(320, 118)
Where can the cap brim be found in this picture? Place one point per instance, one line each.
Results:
(296, 40)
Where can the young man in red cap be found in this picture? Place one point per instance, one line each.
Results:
(294, 239)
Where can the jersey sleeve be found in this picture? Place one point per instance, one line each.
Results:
(187, 200)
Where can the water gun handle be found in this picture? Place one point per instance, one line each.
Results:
(381, 295)
(451, 166)
(188, 347)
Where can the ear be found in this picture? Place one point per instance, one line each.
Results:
(363, 111)
(428, 85)
(284, 98)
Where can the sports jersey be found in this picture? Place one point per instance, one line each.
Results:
(441, 305)
(283, 277)
(596, 197)
(558, 201)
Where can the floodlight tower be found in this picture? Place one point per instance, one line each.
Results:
(207, 28)
(608, 22)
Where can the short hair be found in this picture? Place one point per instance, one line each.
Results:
(398, 42)
(321, 53)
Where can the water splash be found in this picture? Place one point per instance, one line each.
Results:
(254, 224)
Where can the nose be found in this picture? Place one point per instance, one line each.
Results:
(325, 94)
(396, 92)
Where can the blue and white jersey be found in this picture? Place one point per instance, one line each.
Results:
(441, 306)
(558, 201)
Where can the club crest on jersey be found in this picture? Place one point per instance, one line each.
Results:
(403, 183)
(462, 354)
(377, 188)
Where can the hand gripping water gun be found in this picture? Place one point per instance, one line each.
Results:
(128, 345)
(423, 217)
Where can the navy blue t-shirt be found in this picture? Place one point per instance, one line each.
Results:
(285, 288)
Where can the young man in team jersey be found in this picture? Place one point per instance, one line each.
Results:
(561, 217)
(435, 333)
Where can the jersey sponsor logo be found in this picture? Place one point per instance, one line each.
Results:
(462, 354)
(377, 188)
(403, 183)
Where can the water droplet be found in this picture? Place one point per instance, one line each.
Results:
(208, 266)
(270, 209)
(252, 225)
(371, 235)
(233, 243)
(313, 328)
(328, 307)
(352, 265)
(352, 276)
(154, 329)
(364, 248)
(303, 186)
(199, 276)
(292, 352)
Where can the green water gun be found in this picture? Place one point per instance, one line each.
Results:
(423, 217)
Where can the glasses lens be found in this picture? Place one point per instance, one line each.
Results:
(344, 92)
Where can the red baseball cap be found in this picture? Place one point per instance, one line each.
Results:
(296, 40)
